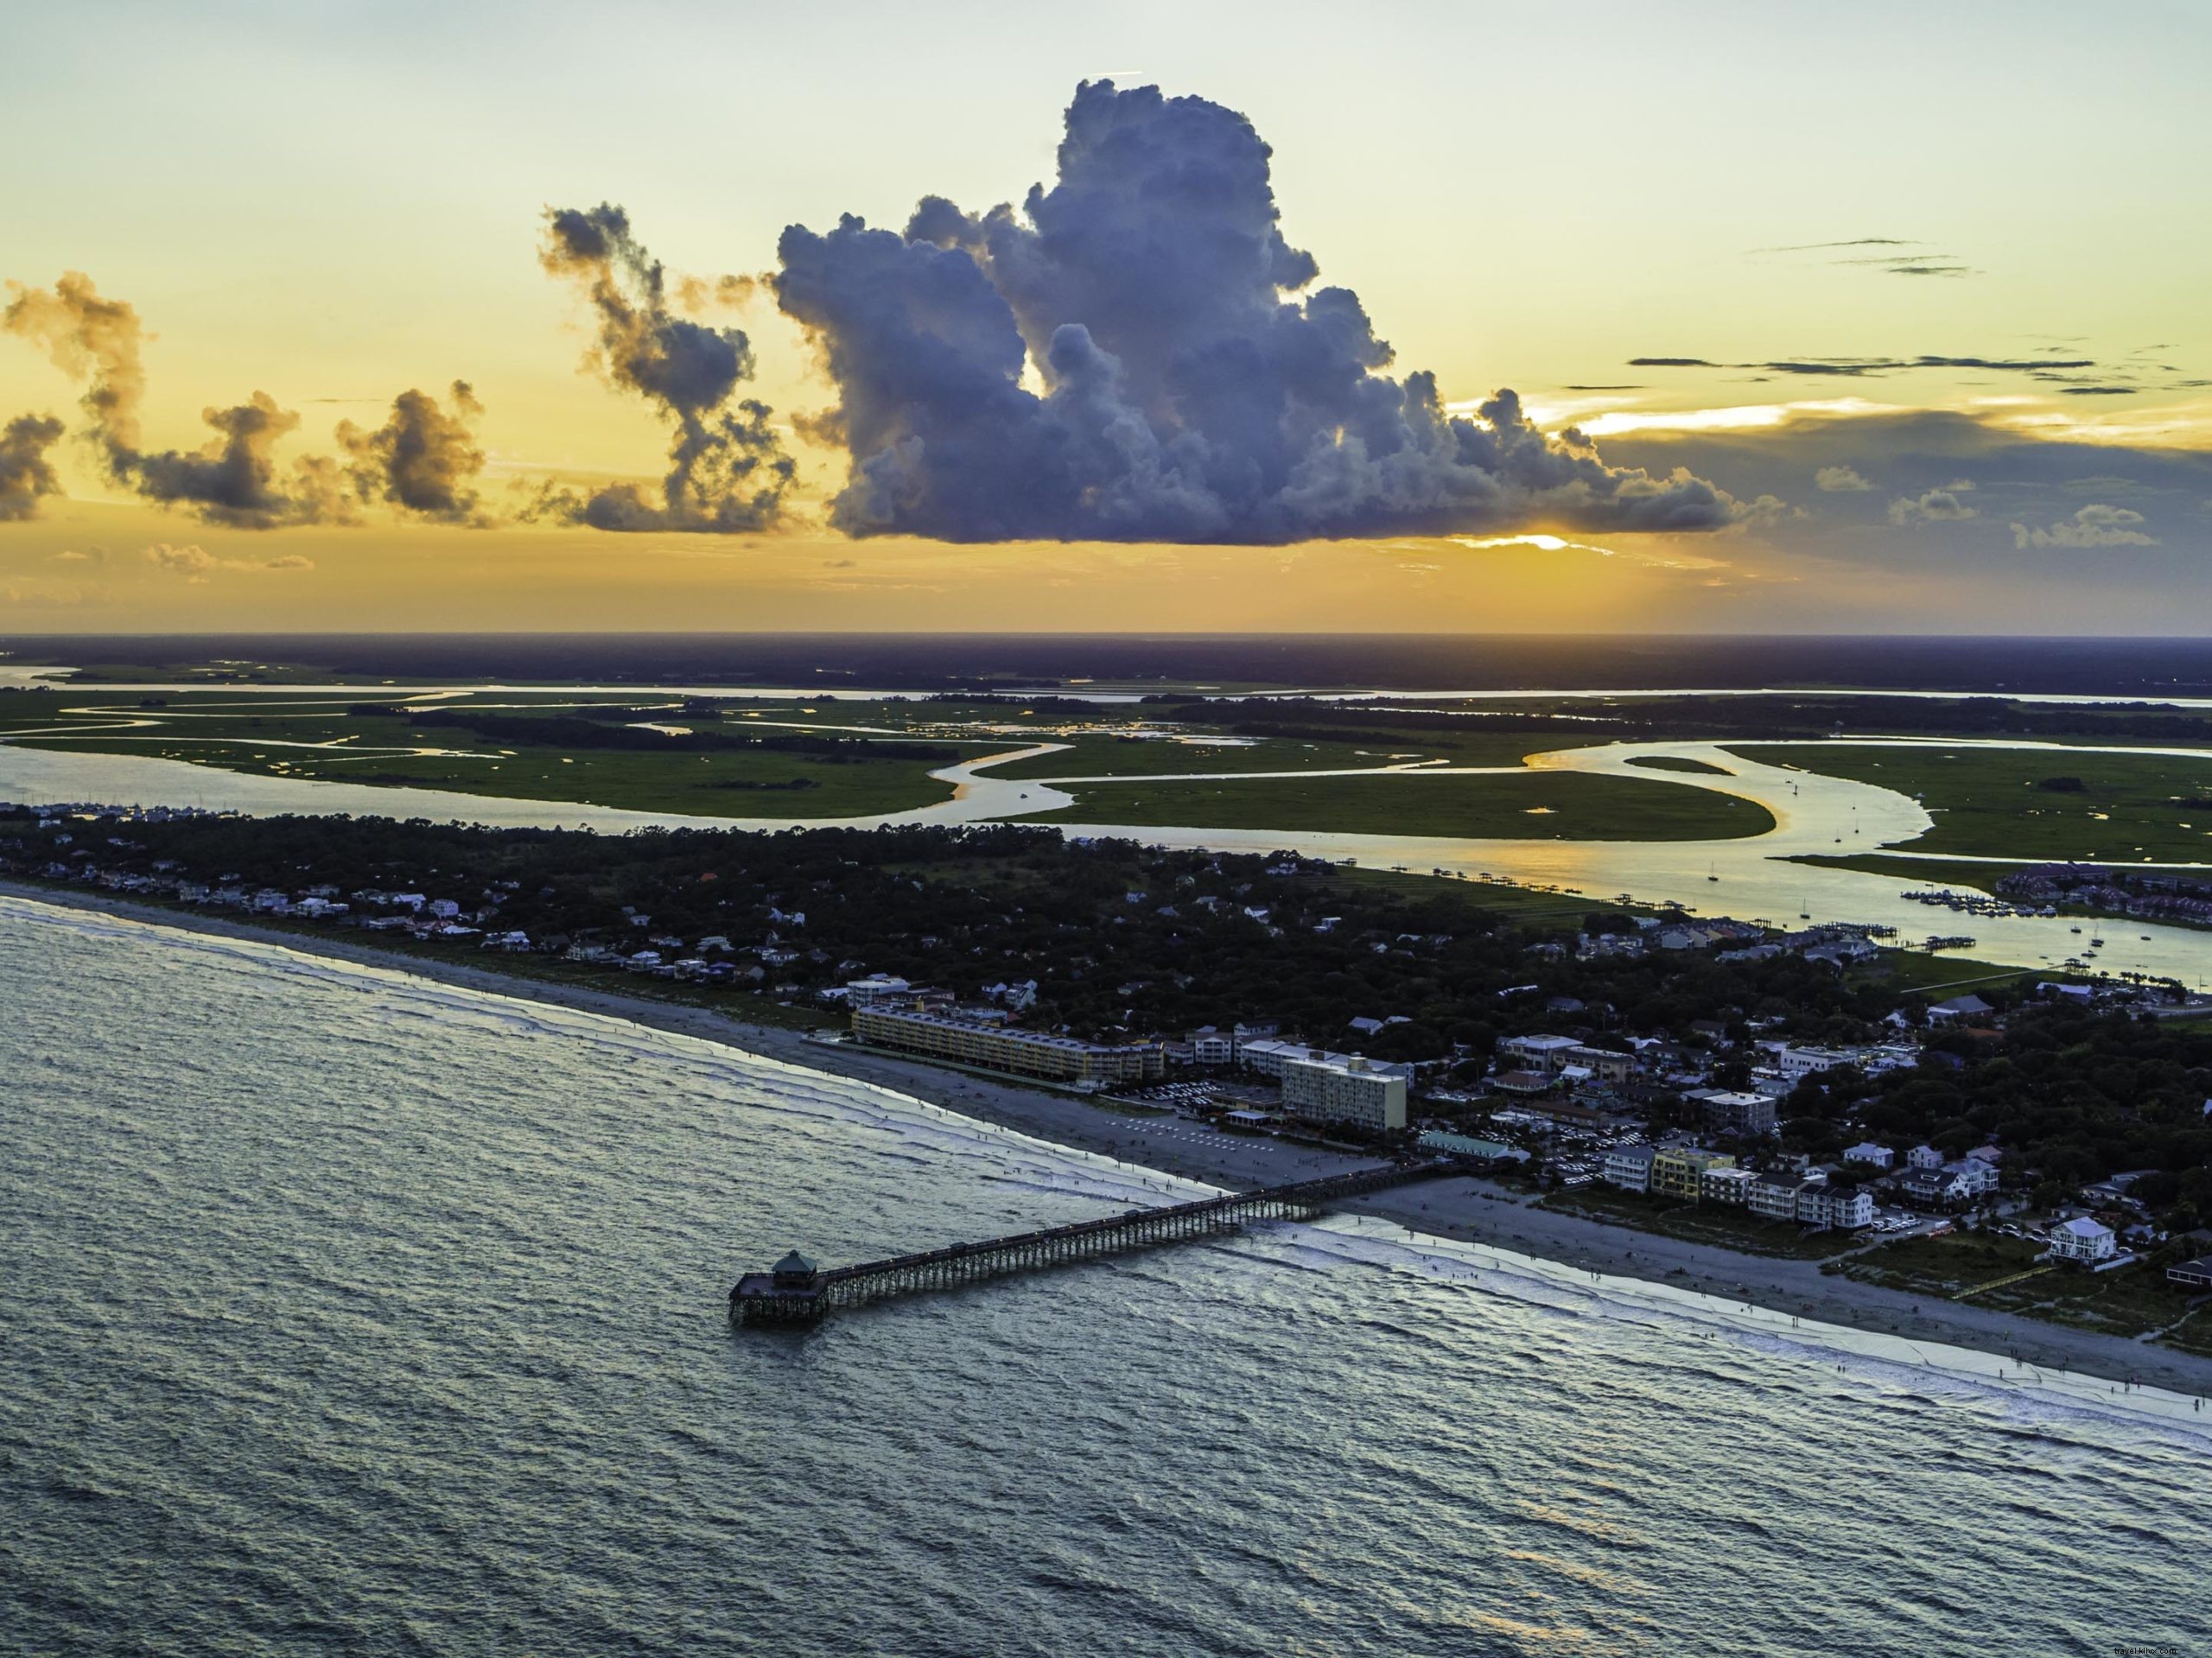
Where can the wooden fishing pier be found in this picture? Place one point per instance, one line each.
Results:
(797, 1292)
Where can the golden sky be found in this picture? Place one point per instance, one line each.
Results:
(331, 206)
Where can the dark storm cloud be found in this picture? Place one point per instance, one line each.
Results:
(26, 475)
(1137, 353)
(423, 460)
(727, 472)
(235, 479)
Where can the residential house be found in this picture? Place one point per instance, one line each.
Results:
(2193, 1274)
(1958, 1009)
(2081, 1240)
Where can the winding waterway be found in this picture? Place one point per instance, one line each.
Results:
(1751, 877)
(350, 1314)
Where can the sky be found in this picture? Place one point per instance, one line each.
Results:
(1405, 318)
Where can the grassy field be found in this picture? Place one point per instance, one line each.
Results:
(1533, 805)
(1678, 763)
(2130, 808)
(322, 739)
(2003, 1273)
(1109, 754)
(1726, 1229)
(1916, 970)
(1982, 877)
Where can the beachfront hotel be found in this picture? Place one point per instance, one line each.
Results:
(993, 1047)
(1344, 1088)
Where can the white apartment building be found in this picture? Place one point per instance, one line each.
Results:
(1774, 1197)
(1730, 1186)
(1344, 1088)
(1846, 1211)
(1628, 1167)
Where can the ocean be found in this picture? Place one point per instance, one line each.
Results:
(348, 1313)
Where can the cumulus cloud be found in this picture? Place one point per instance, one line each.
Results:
(27, 477)
(727, 472)
(1937, 505)
(195, 563)
(1840, 480)
(1195, 386)
(420, 460)
(2095, 525)
(423, 460)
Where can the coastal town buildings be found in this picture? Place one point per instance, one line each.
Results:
(1344, 1088)
(1679, 1171)
(991, 1047)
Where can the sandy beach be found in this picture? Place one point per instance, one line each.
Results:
(1467, 1210)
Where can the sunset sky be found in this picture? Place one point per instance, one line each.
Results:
(1919, 297)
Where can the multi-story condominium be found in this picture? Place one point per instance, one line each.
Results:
(1739, 1112)
(1344, 1088)
(1774, 1197)
(1730, 1186)
(1212, 1047)
(1630, 1167)
(1602, 1064)
(1845, 1211)
(1679, 1171)
(993, 1047)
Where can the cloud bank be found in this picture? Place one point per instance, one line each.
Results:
(235, 479)
(2095, 525)
(1138, 354)
(727, 472)
(423, 460)
(26, 475)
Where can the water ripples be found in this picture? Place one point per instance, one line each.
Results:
(352, 1314)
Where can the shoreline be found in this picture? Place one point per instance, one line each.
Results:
(1464, 1210)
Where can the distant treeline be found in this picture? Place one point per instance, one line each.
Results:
(1723, 717)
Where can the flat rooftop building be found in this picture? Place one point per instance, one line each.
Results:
(1344, 1088)
(993, 1047)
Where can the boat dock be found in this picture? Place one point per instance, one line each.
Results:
(797, 1292)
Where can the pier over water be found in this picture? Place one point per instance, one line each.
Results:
(797, 1292)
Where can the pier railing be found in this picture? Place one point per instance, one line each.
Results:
(804, 1296)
